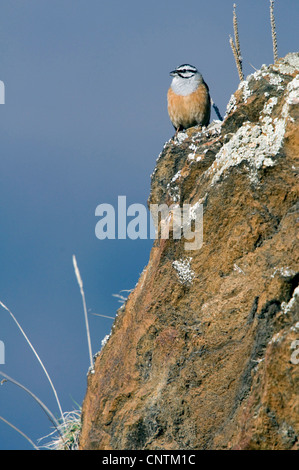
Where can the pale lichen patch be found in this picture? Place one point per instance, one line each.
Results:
(257, 143)
(184, 271)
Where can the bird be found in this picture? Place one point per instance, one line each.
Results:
(188, 98)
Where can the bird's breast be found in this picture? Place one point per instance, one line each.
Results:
(189, 110)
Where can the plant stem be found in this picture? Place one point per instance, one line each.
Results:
(239, 68)
(236, 33)
(273, 29)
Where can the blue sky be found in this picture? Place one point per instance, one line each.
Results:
(84, 120)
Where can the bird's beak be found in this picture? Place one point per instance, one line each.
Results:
(172, 73)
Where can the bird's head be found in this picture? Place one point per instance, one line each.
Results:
(186, 79)
(184, 71)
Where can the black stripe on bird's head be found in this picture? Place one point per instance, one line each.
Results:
(184, 71)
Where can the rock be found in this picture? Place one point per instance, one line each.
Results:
(211, 363)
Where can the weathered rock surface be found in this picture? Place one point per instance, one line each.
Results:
(208, 359)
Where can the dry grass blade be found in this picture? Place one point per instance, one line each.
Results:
(80, 282)
(36, 355)
(100, 315)
(41, 404)
(20, 432)
(122, 298)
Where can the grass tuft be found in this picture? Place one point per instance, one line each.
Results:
(69, 433)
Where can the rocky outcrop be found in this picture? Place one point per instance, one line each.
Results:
(204, 353)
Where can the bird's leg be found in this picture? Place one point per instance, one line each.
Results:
(176, 132)
(178, 129)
